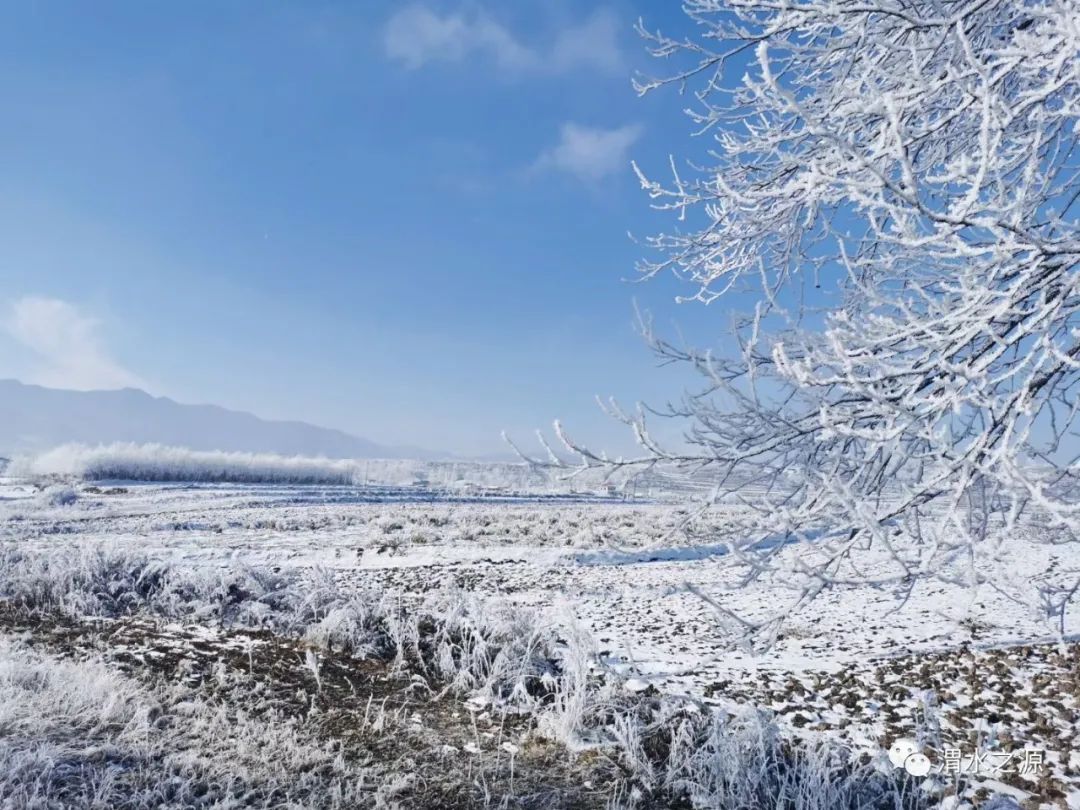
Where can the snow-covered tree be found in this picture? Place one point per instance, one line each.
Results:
(896, 184)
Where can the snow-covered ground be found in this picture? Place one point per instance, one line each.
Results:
(860, 665)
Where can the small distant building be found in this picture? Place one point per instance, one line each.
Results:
(421, 481)
(611, 490)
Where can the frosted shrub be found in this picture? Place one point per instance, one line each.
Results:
(493, 648)
(677, 752)
(58, 495)
(389, 524)
(352, 627)
(578, 712)
(740, 761)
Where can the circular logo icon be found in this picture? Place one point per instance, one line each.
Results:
(901, 750)
(918, 764)
(905, 754)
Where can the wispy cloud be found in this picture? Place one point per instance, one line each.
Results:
(594, 43)
(67, 346)
(591, 153)
(417, 36)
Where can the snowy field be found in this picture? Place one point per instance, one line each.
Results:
(617, 584)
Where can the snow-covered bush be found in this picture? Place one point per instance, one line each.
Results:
(58, 495)
(732, 761)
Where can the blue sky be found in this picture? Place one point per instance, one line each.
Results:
(406, 221)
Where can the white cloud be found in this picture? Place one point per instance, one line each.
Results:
(417, 36)
(67, 346)
(591, 152)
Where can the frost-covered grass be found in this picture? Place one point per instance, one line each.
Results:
(495, 649)
(736, 761)
(81, 735)
(496, 656)
(463, 608)
(247, 511)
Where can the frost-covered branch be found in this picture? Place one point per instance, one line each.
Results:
(897, 183)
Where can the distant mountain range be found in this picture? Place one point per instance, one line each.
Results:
(34, 418)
